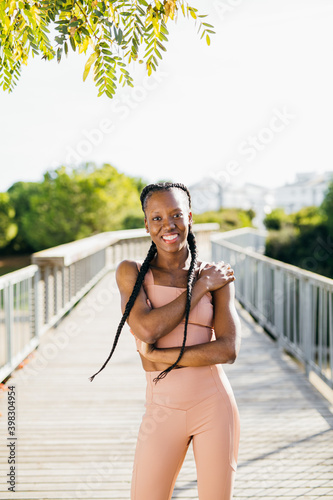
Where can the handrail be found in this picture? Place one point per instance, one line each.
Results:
(68, 253)
(35, 298)
(294, 305)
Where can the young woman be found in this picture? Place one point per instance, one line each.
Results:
(181, 312)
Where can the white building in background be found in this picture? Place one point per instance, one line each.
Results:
(308, 189)
(208, 194)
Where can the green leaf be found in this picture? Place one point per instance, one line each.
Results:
(72, 42)
(98, 13)
(161, 36)
(98, 83)
(160, 45)
(120, 36)
(107, 52)
(142, 12)
(85, 31)
(164, 29)
(87, 67)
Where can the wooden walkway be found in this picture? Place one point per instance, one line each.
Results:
(76, 439)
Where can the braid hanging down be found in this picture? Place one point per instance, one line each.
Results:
(145, 194)
(130, 302)
(190, 280)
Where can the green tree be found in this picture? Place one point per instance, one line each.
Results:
(276, 219)
(307, 217)
(116, 31)
(72, 204)
(8, 228)
(228, 218)
(20, 194)
(302, 239)
(327, 209)
(281, 244)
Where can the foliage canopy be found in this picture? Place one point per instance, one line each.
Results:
(228, 218)
(72, 204)
(303, 238)
(327, 208)
(117, 31)
(8, 228)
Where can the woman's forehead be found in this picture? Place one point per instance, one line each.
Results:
(167, 198)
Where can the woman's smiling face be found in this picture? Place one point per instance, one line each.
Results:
(167, 218)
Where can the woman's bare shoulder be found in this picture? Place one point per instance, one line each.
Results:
(127, 270)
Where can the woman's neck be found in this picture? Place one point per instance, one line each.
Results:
(175, 261)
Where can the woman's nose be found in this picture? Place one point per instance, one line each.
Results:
(169, 224)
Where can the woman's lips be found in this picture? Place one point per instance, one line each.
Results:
(170, 238)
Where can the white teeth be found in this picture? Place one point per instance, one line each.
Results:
(169, 238)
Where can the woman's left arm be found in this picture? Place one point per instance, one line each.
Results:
(222, 350)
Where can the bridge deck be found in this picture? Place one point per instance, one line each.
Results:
(76, 439)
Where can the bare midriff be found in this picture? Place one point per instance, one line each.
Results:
(150, 366)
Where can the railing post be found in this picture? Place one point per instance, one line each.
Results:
(35, 311)
(306, 323)
(8, 299)
(260, 288)
(278, 304)
(63, 298)
(55, 290)
(330, 331)
(47, 294)
(69, 282)
(246, 277)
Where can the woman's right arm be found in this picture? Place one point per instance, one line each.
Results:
(150, 324)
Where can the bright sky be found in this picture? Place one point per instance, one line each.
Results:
(255, 106)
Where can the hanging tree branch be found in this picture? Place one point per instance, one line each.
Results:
(117, 32)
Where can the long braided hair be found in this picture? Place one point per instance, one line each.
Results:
(145, 194)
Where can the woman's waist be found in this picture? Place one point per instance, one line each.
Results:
(184, 387)
(151, 366)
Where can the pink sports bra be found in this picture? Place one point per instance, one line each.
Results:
(200, 324)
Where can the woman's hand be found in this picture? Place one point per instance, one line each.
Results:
(143, 348)
(216, 275)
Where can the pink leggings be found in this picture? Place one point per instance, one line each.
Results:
(192, 403)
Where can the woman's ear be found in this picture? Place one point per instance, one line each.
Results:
(190, 220)
(146, 225)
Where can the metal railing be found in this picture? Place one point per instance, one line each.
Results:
(295, 306)
(35, 298)
(18, 326)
